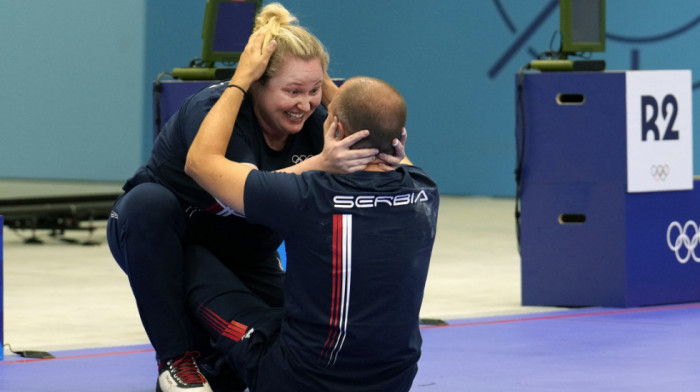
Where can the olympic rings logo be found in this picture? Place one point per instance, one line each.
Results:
(660, 172)
(687, 237)
(300, 158)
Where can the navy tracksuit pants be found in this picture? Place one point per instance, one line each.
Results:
(147, 233)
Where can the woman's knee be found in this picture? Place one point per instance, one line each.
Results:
(150, 202)
(144, 221)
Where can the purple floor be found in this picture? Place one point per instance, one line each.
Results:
(639, 349)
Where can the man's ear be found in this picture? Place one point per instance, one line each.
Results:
(340, 131)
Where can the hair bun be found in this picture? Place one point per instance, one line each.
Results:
(273, 17)
(274, 22)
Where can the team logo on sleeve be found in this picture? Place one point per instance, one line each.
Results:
(369, 201)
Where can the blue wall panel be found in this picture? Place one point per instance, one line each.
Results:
(71, 80)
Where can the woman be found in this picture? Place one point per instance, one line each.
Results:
(279, 127)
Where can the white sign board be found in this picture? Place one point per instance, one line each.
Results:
(659, 131)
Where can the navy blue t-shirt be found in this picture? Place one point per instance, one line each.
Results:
(167, 161)
(358, 248)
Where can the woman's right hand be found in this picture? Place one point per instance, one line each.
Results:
(254, 59)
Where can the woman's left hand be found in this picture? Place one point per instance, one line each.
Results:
(338, 158)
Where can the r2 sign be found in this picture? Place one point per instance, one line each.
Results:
(659, 119)
(650, 114)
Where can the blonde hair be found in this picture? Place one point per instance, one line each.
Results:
(292, 39)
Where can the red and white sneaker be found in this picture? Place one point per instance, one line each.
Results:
(181, 375)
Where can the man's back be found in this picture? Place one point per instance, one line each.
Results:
(358, 249)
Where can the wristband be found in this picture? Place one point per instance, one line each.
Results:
(238, 87)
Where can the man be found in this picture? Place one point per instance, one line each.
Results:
(358, 248)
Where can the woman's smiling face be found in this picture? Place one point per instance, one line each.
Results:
(289, 97)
